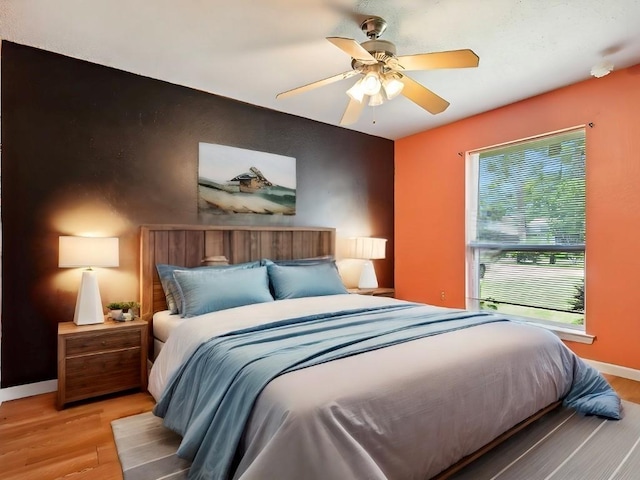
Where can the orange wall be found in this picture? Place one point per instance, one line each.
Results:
(430, 201)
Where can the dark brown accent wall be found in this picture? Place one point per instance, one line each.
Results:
(85, 145)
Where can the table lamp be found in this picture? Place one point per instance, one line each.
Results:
(367, 248)
(88, 252)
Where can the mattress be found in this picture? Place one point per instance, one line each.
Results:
(164, 323)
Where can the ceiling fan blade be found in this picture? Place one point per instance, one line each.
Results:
(422, 96)
(319, 83)
(429, 61)
(352, 113)
(353, 49)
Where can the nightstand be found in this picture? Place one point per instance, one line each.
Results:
(376, 292)
(99, 359)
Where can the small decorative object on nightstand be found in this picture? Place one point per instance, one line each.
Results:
(99, 359)
(123, 311)
(376, 292)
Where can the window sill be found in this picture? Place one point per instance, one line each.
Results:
(568, 334)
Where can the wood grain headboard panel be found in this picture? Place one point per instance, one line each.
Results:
(187, 245)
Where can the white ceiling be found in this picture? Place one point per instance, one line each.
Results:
(250, 50)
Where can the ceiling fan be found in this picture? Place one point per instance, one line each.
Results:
(382, 72)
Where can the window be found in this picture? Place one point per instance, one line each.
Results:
(526, 229)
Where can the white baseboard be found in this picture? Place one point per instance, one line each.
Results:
(617, 370)
(28, 390)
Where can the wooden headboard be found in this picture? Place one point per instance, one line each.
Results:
(187, 245)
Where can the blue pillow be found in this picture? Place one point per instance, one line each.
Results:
(305, 280)
(165, 272)
(209, 290)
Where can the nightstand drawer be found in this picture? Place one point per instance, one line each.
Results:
(104, 373)
(103, 341)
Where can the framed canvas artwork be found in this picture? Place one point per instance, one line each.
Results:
(236, 180)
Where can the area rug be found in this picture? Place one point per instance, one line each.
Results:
(562, 445)
(147, 450)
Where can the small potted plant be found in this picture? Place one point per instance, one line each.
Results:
(123, 311)
(116, 310)
(130, 307)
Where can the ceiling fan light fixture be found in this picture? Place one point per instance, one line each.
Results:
(357, 91)
(371, 83)
(601, 69)
(392, 86)
(376, 100)
(381, 72)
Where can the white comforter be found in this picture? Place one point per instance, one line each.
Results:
(401, 412)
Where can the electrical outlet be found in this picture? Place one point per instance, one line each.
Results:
(442, 295)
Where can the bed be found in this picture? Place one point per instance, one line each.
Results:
(407, 409)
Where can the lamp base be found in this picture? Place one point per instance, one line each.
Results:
(368, 277)
(89, 304)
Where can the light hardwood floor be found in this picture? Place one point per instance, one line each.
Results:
(627, 389)
(38, 442)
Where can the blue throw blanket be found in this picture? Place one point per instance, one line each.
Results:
(209, 399)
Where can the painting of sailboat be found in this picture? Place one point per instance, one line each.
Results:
(237, 180)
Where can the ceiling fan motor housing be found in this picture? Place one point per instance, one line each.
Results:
(375, 46)
(381, 50)
(373, 27)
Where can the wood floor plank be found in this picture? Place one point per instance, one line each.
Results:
(107, 471)
(71, 462)
(107, 452)
(52, 433)
(627, 389)
(41, 443)
(38, 442)
(13, 461)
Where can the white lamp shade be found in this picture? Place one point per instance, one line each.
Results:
(88, 252)
(371, 83)
(356, 92)
(367, 248)
(376, 100)
(392, 87)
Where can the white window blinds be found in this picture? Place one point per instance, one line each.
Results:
(526, 228)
